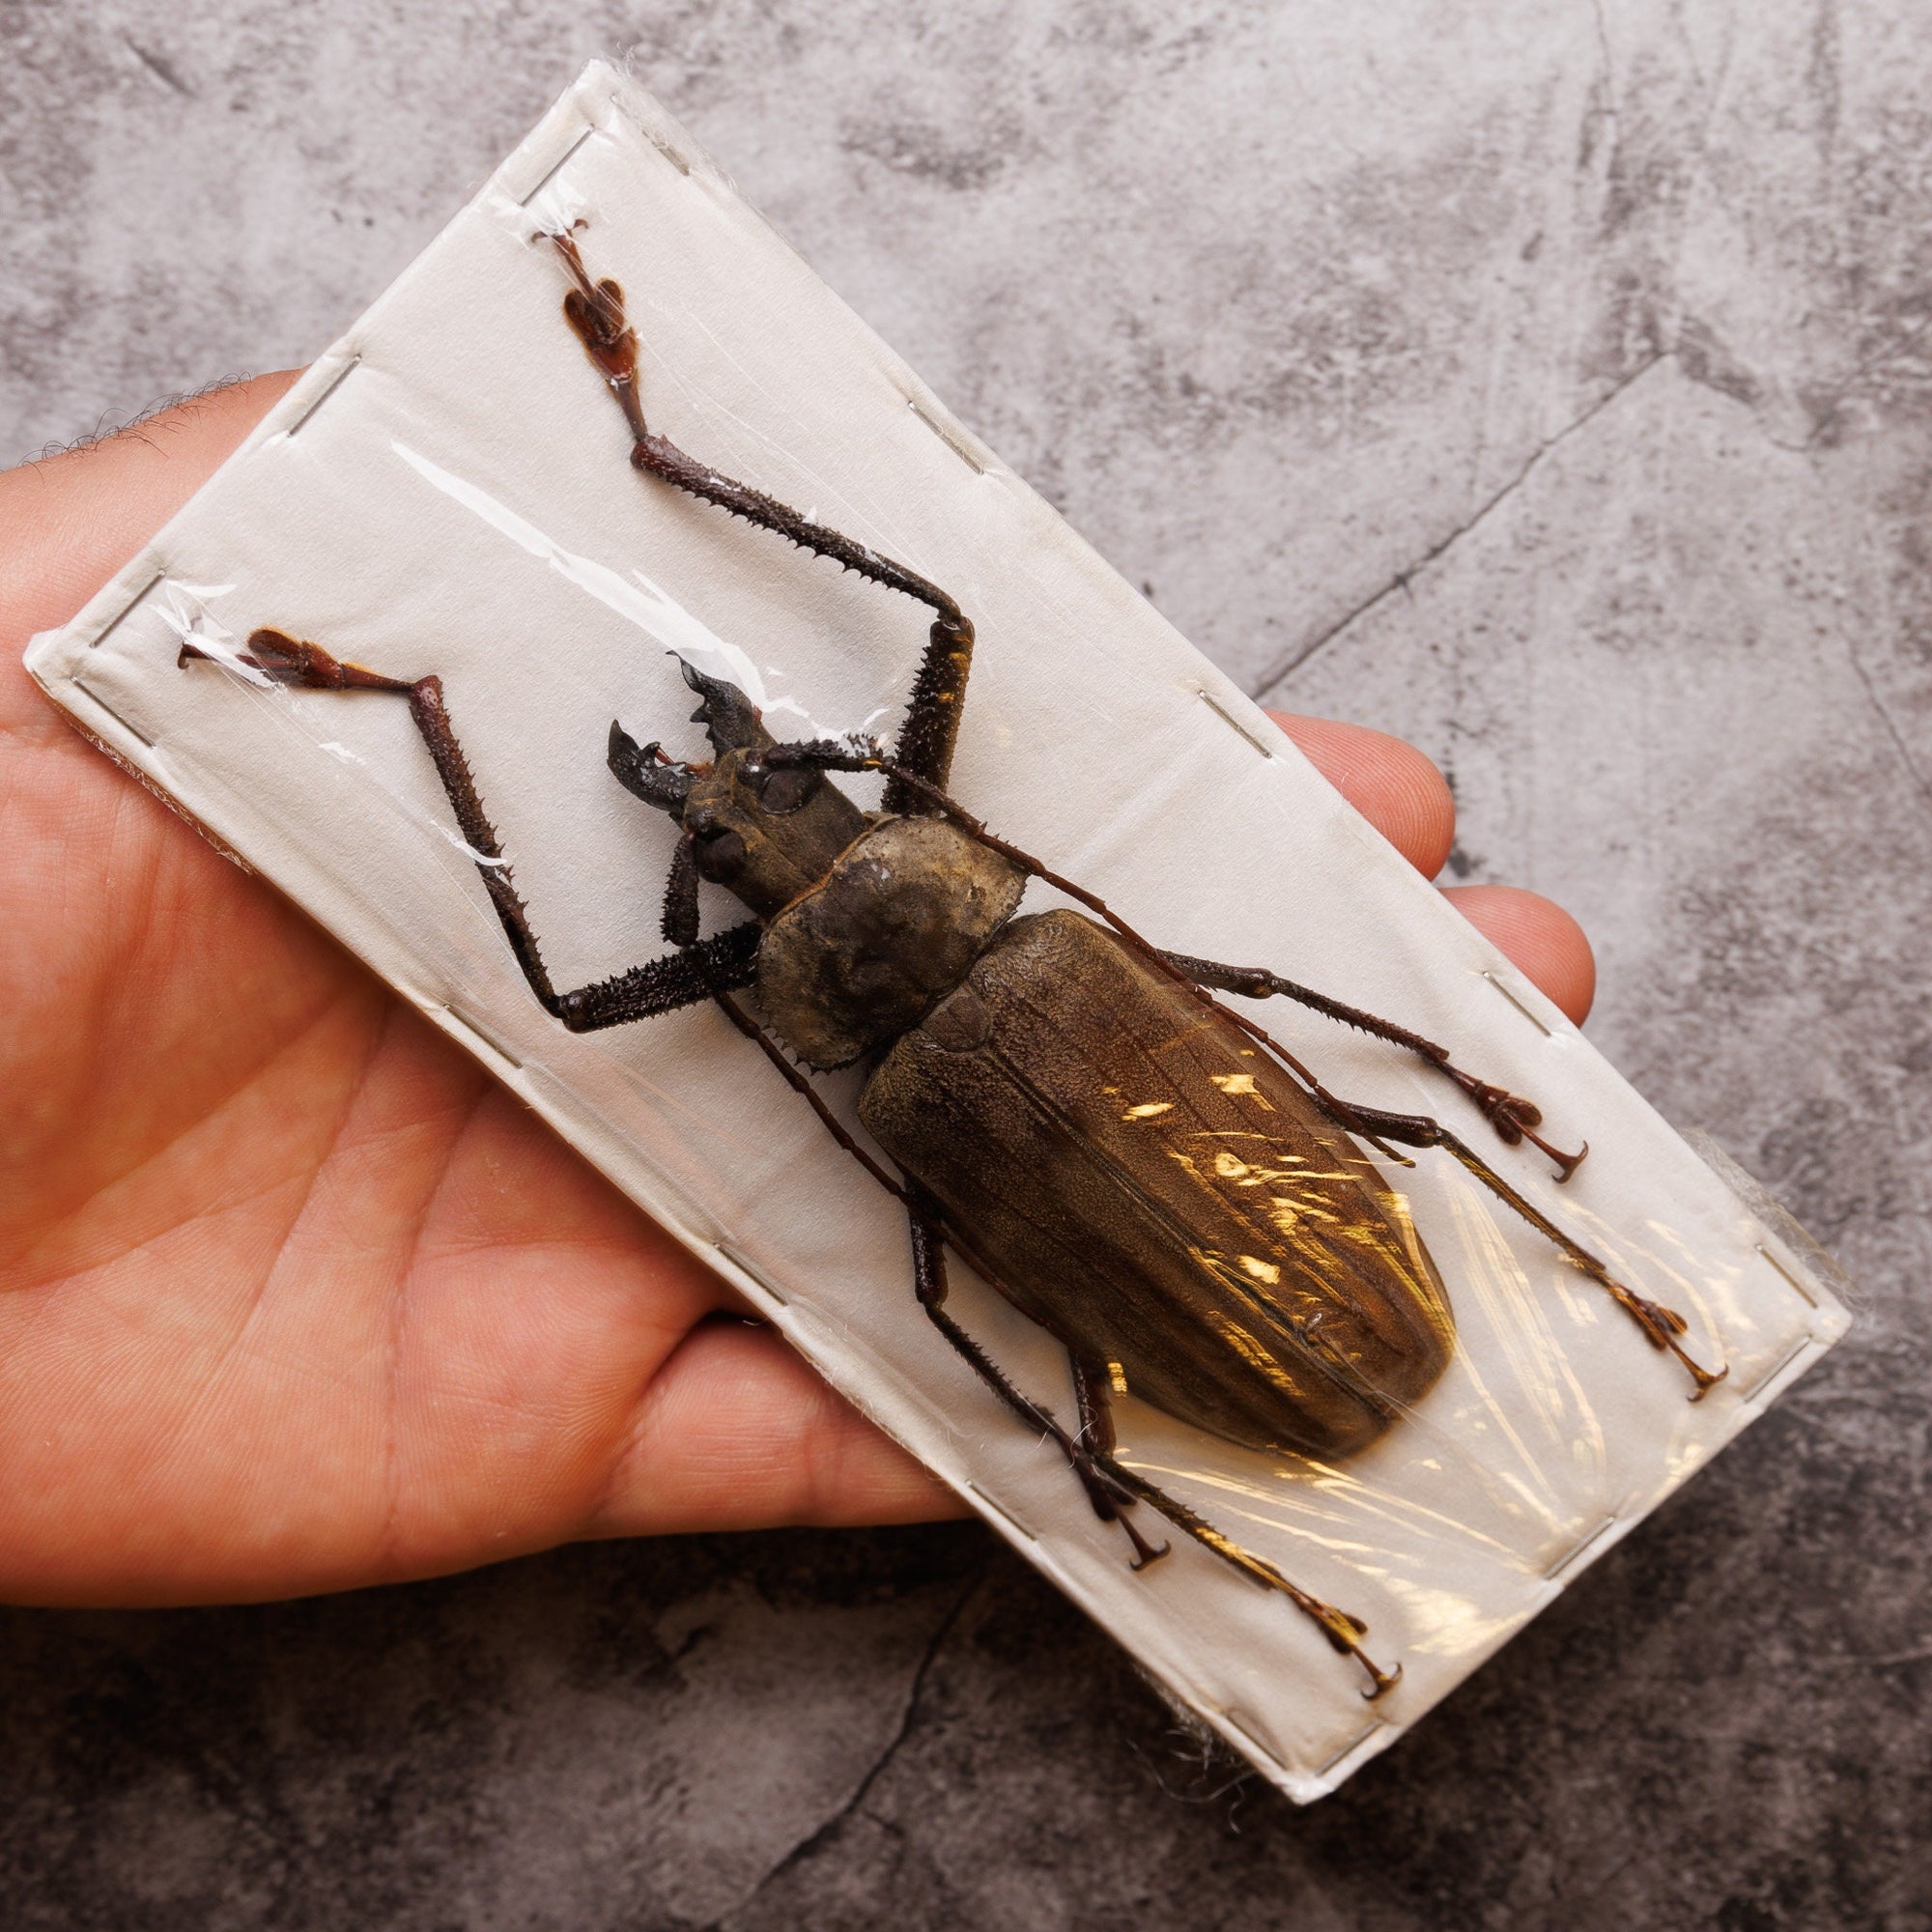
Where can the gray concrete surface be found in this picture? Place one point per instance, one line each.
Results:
(1549, 381)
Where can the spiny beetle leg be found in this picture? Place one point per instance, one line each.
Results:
(1661, 1326)
(1098, 1465)
(1093, 1395)
(1514, 1119)
(658, 987)
(595, 312)
(1109, 1497)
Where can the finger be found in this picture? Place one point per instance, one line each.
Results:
(72, 520)
(1392, 784)
(737, 1431)
(1536, 935)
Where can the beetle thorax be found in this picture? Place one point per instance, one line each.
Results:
(894, 926)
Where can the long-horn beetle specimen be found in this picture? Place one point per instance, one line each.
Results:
(1141, 1169)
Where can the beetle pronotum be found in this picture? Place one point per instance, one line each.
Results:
(1143, 1171)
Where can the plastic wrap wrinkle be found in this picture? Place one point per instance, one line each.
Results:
(465, 506)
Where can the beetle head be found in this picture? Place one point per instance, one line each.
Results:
(767, 835)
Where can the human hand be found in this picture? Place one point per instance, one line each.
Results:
(292, 1297)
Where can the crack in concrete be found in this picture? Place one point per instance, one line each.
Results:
(162, 68)
(1294, 659)
(1603, 49)
(808, 1847)
(1890, 724)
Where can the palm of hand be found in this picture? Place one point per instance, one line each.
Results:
(292, 1295)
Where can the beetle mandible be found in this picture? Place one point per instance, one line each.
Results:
(1144, 1172)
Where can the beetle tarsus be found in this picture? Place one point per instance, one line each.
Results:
(1662, 1326)
(1381, 1679)
(1344, 1634)
(1516, 1119)
(1567, 1164)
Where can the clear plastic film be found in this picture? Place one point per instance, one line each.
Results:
(449, 493)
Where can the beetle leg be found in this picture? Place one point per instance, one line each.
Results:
(595, 312)
(1661, 1325)
(1109, 1497)
(1514, 1119)
(1343, 1632)
(928, 1266)
(1091, 1393)
(1098, 1466)
(659, 986)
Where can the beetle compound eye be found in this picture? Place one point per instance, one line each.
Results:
(788, 789)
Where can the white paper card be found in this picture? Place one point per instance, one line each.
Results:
(448, 490)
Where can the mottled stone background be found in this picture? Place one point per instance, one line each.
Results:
(1549, 381)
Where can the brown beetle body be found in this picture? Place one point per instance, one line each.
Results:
(1161, 1197)
(1116, 1155)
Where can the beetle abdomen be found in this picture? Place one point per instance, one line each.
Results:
(1158, 1194)
(894, 925)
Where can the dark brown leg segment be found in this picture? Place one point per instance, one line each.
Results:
(1109, 1485)
(595, 311)
(1515, 1120)
(659, 986)
(1661, 1325)
(1092, 1396)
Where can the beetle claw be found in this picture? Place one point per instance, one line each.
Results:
(1704, 1379)
(1384, 1680)
(1567, 1164)
(1344, 1634)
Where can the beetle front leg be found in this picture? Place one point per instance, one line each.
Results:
(658, 987)
(595, 308)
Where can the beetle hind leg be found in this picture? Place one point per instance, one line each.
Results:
(1345, 1633)
(1090, 1390)
(1092, 1384)
(1110, 1483)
